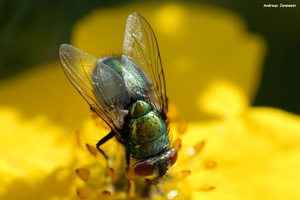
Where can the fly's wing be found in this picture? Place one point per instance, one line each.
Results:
(79, 67)
(136, 81)
(141, 46)
(109, 86)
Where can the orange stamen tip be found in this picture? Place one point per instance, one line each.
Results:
(199, 146)
(182, 127)
(106, 193)
(83, 173)
(210, 164)
(186, 172)
(78, 139)
(92, 150)
(207, 188)
(82, 193)
(110, 171)
(177, 144)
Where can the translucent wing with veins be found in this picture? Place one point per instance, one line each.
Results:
(141, 46)
(98, 87)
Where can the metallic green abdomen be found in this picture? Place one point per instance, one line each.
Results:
(147, 131)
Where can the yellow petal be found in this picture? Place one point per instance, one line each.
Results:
(34, 156)
(222, 99)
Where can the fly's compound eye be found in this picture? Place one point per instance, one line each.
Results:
(144, 169)
(173, 156)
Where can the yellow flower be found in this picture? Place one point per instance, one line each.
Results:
(227, 150)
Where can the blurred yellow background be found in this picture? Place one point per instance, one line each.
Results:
(223, 38)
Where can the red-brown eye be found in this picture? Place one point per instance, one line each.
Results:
(144, 169)
(173, 156)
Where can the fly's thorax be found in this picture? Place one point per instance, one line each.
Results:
(139, 108)
(147, 132)
(156, 167)
(114, 63)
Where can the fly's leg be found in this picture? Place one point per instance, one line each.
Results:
(127, 155)
(102, 141)
(109, 171)
(110, 135)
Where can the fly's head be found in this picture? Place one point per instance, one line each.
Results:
(156, 167)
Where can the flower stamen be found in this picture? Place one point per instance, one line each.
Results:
(206, 188)
(130, 176)
(199, 146)
(83, 173)
(129, 173)
(210, 164)
(92, 149)
(131, 192)
(182, 127)
(106, 193)
(110, 172)
(78, 139)
(82, 192)
(177, 144)
(186, 172)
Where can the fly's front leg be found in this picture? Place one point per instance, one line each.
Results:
(110, 135)
(109, 171)
(102, 141)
